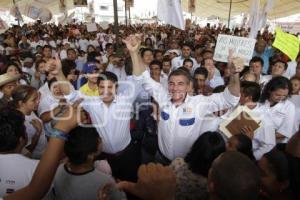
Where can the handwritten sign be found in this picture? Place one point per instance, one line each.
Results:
(287, 43)
(242, 47)
(91, 27)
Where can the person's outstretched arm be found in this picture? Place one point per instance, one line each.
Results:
(46, 169)
(236, 65)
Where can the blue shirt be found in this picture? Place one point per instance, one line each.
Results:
(269, 52)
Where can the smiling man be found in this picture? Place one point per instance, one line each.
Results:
(110, 114)
(182, 115)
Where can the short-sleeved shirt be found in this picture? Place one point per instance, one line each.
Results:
(69, 185)
(85, 89)
(16, 172)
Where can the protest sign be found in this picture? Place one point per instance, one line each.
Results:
(91, 27)
(242, 47)
(287, 43)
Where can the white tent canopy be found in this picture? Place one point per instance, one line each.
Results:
(220, 8)
(204, 8)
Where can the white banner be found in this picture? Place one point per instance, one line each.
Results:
(170, 12)
(241, 46)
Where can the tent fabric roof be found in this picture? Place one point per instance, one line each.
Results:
(204, 8)
(220, 8)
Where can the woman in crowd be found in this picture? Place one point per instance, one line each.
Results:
(26, 99)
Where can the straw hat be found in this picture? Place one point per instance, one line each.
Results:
(5, 78)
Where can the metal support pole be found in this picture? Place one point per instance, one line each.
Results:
(126, 22)
(229, 15)
(116, 24)
(129, 15)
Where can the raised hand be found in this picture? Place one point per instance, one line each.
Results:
(53, 66)
(133, 43)
(236, 64)
(71, 117)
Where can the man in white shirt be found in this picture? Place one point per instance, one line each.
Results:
(166, 67)
(110, 115)
(186, 53)
(155, 73)
(181, 114)
(16, 170)
(277, 69)
(263, 139)
(256, 66)
(83, 43)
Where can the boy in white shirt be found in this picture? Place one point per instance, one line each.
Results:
(16, 170)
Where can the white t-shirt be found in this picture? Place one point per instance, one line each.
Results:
(283, 115)
(30, 130)
(47, 103)
(16, 172)
(291, 70)
(83, 44)
(63, 54)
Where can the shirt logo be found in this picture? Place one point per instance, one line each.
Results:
(187, 110)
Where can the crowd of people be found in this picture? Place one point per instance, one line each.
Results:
(94, 115)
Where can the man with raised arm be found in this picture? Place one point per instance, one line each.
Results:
(182, 115)
(110, 114)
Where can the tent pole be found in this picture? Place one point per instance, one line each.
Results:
(126, 22)
(229, 15)
(116, 24)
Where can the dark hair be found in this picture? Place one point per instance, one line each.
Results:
(181, 71)
(187, 45)
(252, 89)
(219, 89)
(51, 82)
(156, 62)
(203, 152)
(67, 65)
(281, 61)
(244, 145)
(82, 142)
(157, 51)
(11, 64)
(12, 128)
(257, 59)
(21, 93)
(206, 51)
(70, 49)
(166, 59)
(47, 47)
(144, 50)
(275, 83)
(37, 63)
(235, 176)
(108, 45)
(187, 60)
(91, 57)
(149, 39)
(201, 70)
(295, 78)
(107, 76)
(278, 164)
(203, 61)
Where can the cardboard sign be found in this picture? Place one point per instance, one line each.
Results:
(91, 27)
(241, 46)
